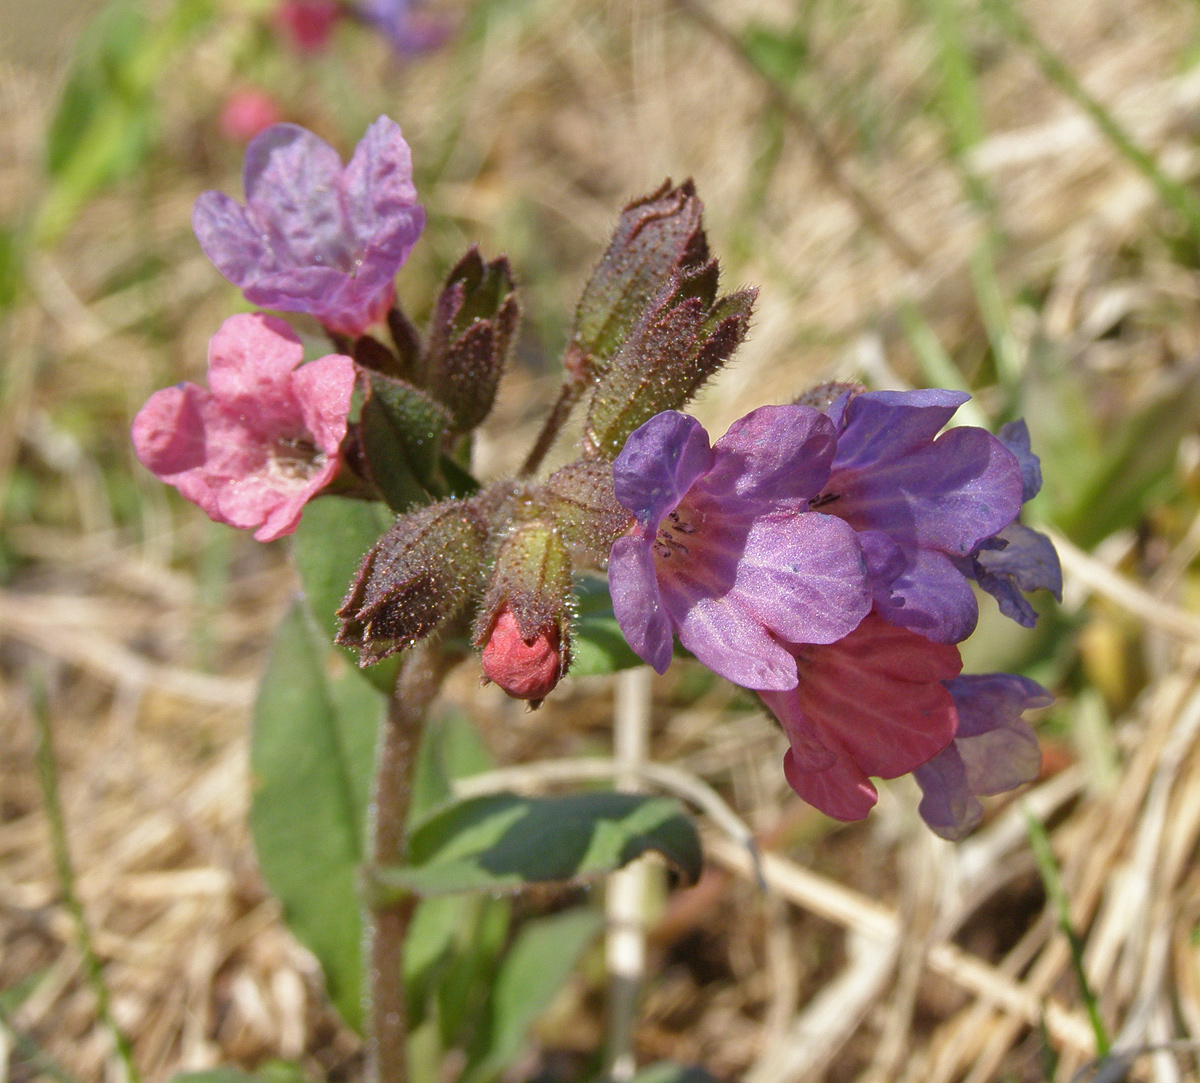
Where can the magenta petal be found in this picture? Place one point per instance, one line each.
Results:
(250, 363)
(324, 389)
(658, 465)
(168, 432)
(841, 791)
(637, 601)
(776, 458)
(803, 576)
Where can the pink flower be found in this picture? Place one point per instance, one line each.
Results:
(872, 703)
(308, 24)
(253, 450)
(246, 112)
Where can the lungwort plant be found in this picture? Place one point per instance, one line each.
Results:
(820, 554)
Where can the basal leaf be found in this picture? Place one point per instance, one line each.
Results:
(597, 645)
(310, 758)
(534, 970)
(502, 842)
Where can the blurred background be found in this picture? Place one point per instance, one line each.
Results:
(956, 193)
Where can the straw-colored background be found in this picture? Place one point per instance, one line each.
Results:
(906, 958)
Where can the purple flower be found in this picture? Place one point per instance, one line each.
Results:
(1017, 559)
(724, 551)
(922, 503)
(263, 441)
(410, 31)
(994, 750)
(315, 236)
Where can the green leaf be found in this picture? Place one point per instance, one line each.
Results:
(403, 430)
(451, 748)
(328, 546)
(597, 645)
(535, 969)
(503, 842)
(310, 757)
(778, 54)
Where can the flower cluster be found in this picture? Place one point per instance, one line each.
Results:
(822, 558)
(820, 553)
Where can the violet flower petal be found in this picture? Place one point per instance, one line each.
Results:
(949, 495)
(994, 750)
(879, 425)
(1015, 437)
(930, 596)
(804, 578)
(1028, 561)
(637, 601)
(658, 465)
(947, 804)
(776, 458)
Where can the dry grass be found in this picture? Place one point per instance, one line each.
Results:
(882, 955)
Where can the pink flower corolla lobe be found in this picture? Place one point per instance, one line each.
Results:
(262, 440)
(308, 24)
(872, 704)
(724, 552)
(315, 236)
(922, 503)
(994, 750)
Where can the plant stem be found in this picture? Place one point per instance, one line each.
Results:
(48, 777)
(418, 683)
(568, 395)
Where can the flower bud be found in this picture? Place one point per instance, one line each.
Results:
(413, 580)
(472, 329)
(524, 623)
(657, 238)
(686, 334)
(525, 670)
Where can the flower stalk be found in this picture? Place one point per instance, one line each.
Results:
(417, 686)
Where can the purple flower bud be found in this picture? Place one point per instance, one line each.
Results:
(315, 236)
(994, 750)
(873, 703)
(257, 446)
(724, 551)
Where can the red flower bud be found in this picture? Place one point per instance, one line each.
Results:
(524, 668)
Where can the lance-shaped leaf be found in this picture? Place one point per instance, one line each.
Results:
(470, 335)
(504, 842)
(415, 578)
(402, 434)
(657, 238)
(682, 341)
(580, 496)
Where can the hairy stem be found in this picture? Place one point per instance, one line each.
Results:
(418, 683)
(568, 396)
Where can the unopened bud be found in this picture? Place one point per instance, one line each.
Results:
(525, 669)
(585, 507)
(657, 239)
(524, 623)
(413, 580)
(471, 332)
